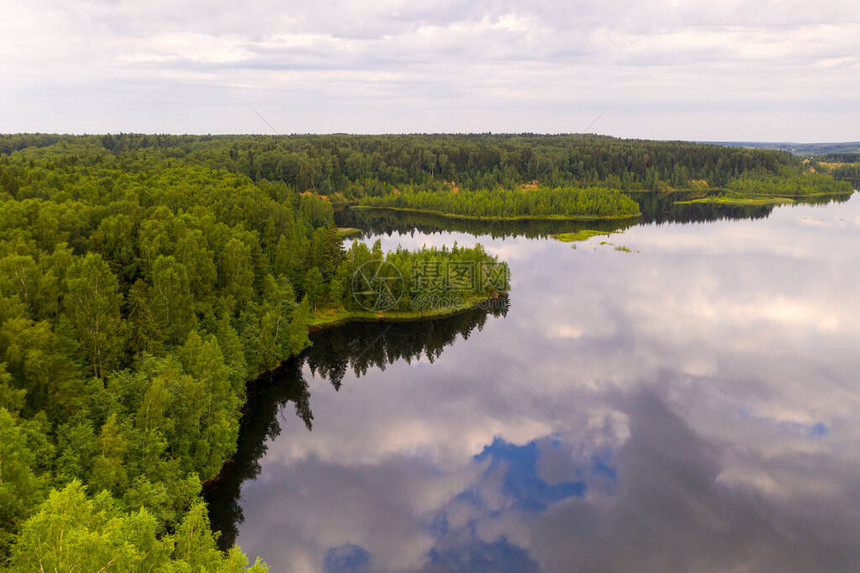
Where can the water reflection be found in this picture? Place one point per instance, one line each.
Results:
(657, 208)
(690, 405)
(381, 221)
(363, 345)
(268, 398)
(356, 347)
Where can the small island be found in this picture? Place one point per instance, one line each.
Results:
(348, 232)
(408, 285)
(580, 235)
(559, 203)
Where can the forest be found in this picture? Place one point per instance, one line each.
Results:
(146, 279)
(407, 284)
(139, 294)
(357, 165)
(788, 184)
(848, 170)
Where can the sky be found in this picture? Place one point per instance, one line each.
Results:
(727, 70)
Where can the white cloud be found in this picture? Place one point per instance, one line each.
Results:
(450, 65)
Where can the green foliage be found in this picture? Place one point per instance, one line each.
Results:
(844, 157)
(92, 303)
(72, 532)
(171, 299)
(136, 300)
(787, 184)
(314, 286)
(416, 281)
(363, 165)
(849, 171)
(737, 198)
(22, 481)
(566, 202)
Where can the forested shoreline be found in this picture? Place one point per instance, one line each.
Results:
(138, 295)
(510, 204)
(145, 279)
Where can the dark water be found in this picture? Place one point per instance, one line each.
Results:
(691, 405)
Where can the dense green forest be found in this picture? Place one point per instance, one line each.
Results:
(402, 283)
(145, 279)
(558, 203)
(800, 149)
(139, 294)
(358, 165)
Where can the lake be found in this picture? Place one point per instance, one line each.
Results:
(688, 403)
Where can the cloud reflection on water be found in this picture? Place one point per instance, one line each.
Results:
(710, 380)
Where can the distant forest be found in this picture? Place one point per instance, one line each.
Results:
(359, 165)
(841, 165)
(802, 149)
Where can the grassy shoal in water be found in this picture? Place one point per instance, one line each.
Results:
(580, 235)
(739, 201)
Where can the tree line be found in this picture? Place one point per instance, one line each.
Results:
(359, 165)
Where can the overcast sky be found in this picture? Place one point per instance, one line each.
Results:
(705, 70)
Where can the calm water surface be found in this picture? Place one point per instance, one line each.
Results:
(691, 405)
